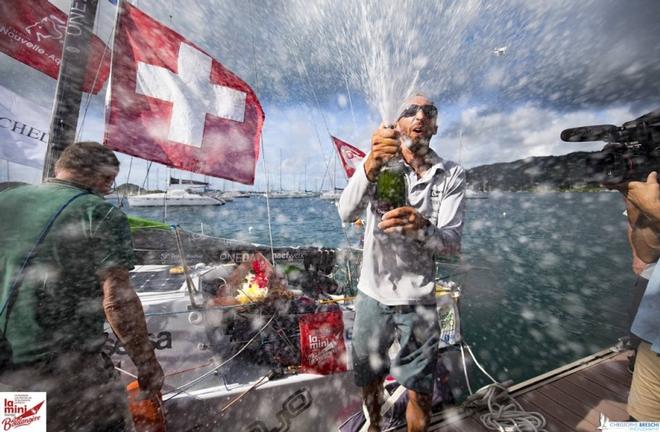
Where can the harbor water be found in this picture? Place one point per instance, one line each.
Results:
(546, 276)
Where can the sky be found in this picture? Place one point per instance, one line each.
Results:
(322, 67)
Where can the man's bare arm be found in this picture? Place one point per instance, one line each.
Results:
(124, 312)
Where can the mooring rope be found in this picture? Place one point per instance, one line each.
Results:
(505, 414)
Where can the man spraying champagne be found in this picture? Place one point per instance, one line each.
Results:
(396, 287)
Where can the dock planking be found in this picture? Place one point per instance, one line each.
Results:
(571, 400)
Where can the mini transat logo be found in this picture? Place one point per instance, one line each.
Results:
(24, 411)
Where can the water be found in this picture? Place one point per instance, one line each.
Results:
(546, 277)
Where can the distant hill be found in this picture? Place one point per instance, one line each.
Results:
(132, 189)
(535, 173)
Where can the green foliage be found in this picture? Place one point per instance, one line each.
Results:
(137, 223)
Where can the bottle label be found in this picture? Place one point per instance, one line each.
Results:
(390, 191)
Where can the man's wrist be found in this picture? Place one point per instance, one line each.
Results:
(369, 171)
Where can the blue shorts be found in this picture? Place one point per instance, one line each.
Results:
(375, 328)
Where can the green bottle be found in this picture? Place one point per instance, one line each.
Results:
(391, 186)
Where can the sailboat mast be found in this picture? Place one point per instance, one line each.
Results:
(66, 107)
(334, 173)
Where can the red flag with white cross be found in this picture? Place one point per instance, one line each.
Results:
(350, 156)
(171, 103)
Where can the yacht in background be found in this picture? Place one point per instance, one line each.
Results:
(331, 195)
(173, 198)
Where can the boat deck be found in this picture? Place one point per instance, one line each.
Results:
(571, 398)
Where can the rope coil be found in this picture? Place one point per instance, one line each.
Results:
(504, 414)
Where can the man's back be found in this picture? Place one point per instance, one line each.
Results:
(59, 306)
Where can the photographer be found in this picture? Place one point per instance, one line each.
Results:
(643, 206)
(629, 164)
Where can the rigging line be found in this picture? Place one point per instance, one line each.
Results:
(132, 375)
(478, 364)
(316, 99)
(348, 90)
(334, 155)
(264, 379)
(320, 111)
(88, 99)
(261, 141)
(326, 160)
(146, 177)
(128, 177)
(183, 388)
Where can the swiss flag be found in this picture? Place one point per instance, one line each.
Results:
(350, 156)
(172, 103)
(32, 32)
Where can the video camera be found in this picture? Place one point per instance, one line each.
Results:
(631, 153)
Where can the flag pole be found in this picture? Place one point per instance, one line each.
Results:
(68, 95)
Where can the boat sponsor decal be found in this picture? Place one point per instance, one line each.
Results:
(161, 341)
(237, 257)
(33, 32)
(23, 129)
(24, 410)
(292, 407)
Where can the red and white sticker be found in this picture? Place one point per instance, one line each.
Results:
(23, 411)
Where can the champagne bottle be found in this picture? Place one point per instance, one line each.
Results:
(391, 189)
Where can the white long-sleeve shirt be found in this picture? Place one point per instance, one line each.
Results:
(400, 270)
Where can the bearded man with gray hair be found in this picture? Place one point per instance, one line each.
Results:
(397, 280)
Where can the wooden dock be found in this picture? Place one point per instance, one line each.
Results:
(571, 398)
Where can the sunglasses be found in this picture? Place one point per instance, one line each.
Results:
(411, 110)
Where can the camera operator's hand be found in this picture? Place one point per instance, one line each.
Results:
(385, 145)
(638, 266)
(645, 196)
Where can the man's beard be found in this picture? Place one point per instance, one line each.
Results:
(418, 146)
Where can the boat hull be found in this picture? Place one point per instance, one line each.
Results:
(140, 201)
(298, 403)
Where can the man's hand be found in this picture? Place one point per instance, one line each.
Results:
(645, 196)
(150, 377)
(384, 146)
(638, 265)
(404, 220)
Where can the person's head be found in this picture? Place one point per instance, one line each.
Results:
(90, 164)
(418, 120)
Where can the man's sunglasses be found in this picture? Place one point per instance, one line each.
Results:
(411, 110)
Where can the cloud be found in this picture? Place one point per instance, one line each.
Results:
(560, 53)
(488, 136)
(339, 66)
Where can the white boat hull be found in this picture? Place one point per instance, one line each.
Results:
(190, 342)
(172, 199)
(297, 403)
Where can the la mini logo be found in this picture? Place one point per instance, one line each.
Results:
(24, 411)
